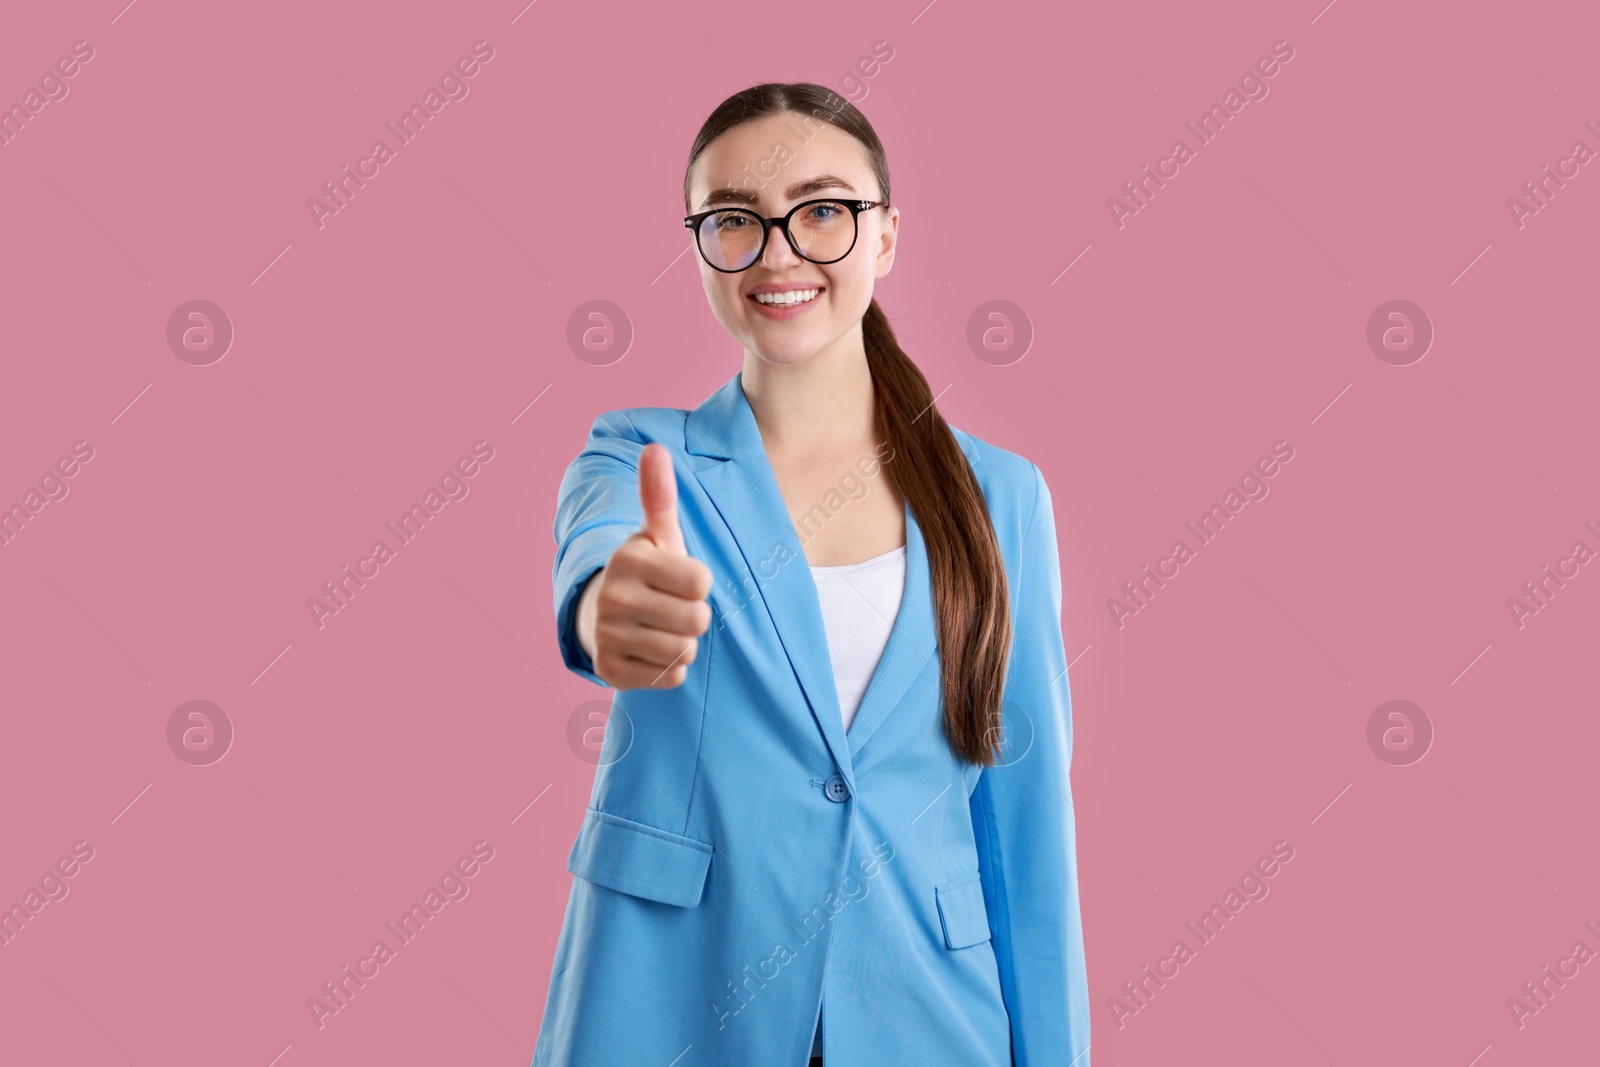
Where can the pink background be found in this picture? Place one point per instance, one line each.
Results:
(433, 711)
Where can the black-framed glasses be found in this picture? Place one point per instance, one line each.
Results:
(732, 239)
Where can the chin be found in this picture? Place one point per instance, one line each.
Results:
(784, 354)
(782, 344)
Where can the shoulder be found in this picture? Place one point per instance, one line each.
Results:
(640, 424)
(624, 432)
(1013, 486)
(1023, 514)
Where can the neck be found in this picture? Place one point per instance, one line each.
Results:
(820, 405)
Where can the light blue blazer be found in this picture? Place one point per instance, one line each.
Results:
(746, 865)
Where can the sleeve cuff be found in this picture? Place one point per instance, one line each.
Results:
(586, 554)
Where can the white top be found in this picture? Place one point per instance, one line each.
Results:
(859, 605)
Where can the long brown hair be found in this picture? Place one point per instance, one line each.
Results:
(970, 595)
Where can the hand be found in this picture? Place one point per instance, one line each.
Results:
(641, 615)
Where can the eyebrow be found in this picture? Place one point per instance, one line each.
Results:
(795, 191)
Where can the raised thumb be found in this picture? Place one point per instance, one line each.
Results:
(658, 495)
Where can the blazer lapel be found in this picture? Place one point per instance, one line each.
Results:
(741, 484)
(911, 649)
(744, 490)
(913, 645)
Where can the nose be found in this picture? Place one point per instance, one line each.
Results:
(779, 253)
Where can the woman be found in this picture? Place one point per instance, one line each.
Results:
(832, 809)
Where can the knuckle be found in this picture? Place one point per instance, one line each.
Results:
(702, 577)
(614, 601)
(634, 551)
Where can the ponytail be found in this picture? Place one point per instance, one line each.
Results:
(970, 596)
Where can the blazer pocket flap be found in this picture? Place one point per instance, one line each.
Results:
(640, 860)
(962, 912)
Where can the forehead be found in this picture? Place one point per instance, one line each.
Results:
(764, 159)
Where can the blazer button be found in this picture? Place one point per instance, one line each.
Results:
(836, 790)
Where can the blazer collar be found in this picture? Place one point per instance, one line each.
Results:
(740, 482)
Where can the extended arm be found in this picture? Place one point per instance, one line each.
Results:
(617, 518)
(597, 509)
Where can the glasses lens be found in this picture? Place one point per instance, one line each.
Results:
(824, 231)
(729, 240)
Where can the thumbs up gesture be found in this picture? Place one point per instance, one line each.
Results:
(641, 615)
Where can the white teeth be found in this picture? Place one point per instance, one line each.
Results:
(793, 296)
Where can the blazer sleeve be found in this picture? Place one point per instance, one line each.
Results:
(1023, 822)
(597, 508)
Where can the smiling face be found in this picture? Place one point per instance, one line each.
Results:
(830, 164)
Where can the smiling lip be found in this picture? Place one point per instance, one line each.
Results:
(785, 311)
(784, 287)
